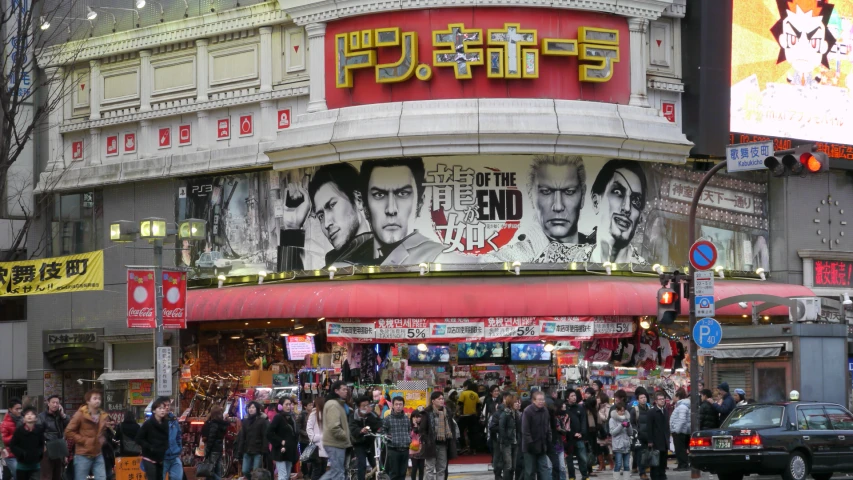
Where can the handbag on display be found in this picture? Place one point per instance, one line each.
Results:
(204, 469)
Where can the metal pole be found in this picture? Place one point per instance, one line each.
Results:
(158, 307)
(694, 353)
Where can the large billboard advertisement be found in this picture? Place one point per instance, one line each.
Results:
(552, 209)
(791, 69)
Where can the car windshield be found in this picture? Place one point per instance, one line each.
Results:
(755, 416)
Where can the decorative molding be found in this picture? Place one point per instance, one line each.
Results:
(326, 10)
(678, 9)
(187, 105)
(215, 25)
(666, 85)
(479, 126)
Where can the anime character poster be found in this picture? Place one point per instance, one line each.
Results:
(552, 209)
(791, 69)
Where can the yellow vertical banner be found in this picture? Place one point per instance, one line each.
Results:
(72, 273)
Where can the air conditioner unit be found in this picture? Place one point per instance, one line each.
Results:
(808, 309)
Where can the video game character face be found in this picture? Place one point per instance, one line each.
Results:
(802, 33)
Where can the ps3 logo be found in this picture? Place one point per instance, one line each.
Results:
(202, 189)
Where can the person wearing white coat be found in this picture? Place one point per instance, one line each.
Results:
(621, 432)
(679, 425)
(315, 436)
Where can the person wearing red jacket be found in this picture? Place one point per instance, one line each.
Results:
(11, 422)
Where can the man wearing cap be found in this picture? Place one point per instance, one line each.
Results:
(726, 403)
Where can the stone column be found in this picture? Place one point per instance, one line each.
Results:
(639, 52)
(266, 59)
(95, 147)
(202, 73)
(269, 121)
(317, 67)
(147, 141)
(56, 92)
(205, 131)
(94, 89)
(145, 81)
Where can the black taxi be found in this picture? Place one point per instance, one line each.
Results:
(793, 439)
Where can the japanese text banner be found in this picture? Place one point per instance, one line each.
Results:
(73, 273)
(449, 330)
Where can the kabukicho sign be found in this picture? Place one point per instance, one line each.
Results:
(477, 53)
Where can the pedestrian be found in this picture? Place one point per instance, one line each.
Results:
(336, 438)
(490, 405)
(396, 426)
(679, 425)
(641, 423)
(153, 438)
(603, 434)
(302, 426)
(86, 429)
(54, 421)
(509, 434)
(535, 438)
(27, 444)
(252, 439)
(213, 433)
(709, 419)
(283, 435)
(493, 427)
(320, 458)
(740, 397)
(658, 436)
(555, 446)
(11, 422)
(621, 432)
(725, 404)
(108, 449)
(576, 441)
(416, 452)
(437, 437)
(467, 414)
(172, 463)
(590, 406)
(363, 422)
(127, 432)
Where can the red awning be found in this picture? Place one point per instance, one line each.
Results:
(460, 297)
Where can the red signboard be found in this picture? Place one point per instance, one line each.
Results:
(129, 143)
(185, 135)
(247, 127)
(833, 273)
(174, 300)
(112, 145)
(77, 150)
(164, 137)
(668, 111)
(448, 330)
(223, 128)
(140, 299)
(283, 119)
(475, 52)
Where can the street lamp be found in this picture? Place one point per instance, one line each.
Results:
(154, 230)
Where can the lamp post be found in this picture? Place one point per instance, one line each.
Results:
(154, 230)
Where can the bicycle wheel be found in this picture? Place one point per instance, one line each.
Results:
(352, 467)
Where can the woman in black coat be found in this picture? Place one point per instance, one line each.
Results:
(284, 438)
(252, 440)
(153, 437)
(213, 433)
(127, 432)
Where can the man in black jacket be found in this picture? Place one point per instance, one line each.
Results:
(363, 421)
(54, 421)
(658, 436)
(536, 437)
(575, 439)
(709, 419)
(153, 437)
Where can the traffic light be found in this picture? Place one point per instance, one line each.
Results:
(804, 159)
(669, 304)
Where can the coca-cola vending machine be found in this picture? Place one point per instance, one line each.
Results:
(140, 298)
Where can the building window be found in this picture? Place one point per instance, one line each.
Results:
(78, 223)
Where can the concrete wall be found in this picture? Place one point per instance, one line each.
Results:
(105, 309)
(13, 344)
(823, 370)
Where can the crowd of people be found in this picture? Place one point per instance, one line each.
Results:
(536, 436)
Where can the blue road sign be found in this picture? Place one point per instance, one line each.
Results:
(703, 255)
(707, 333)
(704, 305)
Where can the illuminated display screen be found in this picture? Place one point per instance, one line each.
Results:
(791, 69)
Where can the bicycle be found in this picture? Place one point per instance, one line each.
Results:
(378, 473)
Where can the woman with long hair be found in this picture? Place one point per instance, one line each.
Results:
(603, 439)
(283, 435)
(213, 433)
(252, 440)
(315, 435)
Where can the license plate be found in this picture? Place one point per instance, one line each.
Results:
(722, 443)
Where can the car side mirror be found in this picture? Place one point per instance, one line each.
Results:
(792, 426)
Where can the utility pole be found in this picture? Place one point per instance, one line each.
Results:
(694, 352)
(158, 307)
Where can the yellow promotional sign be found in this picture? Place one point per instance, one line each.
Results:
(74, 273)
(128, 468)
(414, 398)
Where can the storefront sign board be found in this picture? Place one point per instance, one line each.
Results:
(115, 400)
(164, 371)
(833, 273)
(128, 468)
(450, 330)
(72, 273)
(431, 54)
(415, 399)
(140, 392)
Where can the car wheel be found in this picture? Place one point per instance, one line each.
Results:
(821, 476)
(730, 476)
(798, 467)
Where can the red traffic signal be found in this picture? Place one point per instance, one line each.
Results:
(815, 161)
(799, 160)
(669, 305)
(667, 296)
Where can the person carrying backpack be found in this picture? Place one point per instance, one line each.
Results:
(127, 432)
